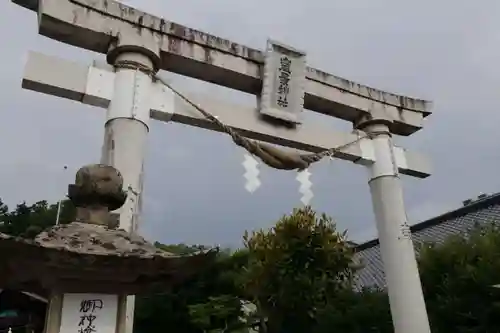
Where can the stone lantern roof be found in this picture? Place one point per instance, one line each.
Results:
(89, 255)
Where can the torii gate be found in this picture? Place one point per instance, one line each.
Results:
(132, 97)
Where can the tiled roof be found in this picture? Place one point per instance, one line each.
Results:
(484, 210)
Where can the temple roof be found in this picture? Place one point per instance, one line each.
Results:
(485, 209)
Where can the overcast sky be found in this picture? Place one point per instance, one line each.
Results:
(446, 51)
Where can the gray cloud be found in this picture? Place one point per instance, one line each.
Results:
(446, 51)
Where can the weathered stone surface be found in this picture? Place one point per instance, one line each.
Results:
(89, 238)
(97, 190)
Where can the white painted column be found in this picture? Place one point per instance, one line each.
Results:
(406, 299)
(126, 132)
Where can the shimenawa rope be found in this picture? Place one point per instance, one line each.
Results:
(272, 156)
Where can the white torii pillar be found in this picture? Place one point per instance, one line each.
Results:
(127, 127)
(409, 313)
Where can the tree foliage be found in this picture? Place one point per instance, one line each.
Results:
(366, 311)
(457, 277)
(299, 275)
(28, 220)
(295, 267)
(209, 303)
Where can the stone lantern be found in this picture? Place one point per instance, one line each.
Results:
(88, 267)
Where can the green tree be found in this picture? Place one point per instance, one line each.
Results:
(457, 278)
(28, 220)
(208, 303)
(294, 268)
(366, 311)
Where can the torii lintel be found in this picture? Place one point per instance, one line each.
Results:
(94, 24)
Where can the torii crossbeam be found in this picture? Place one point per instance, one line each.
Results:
(94, 85)
(126, 34)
